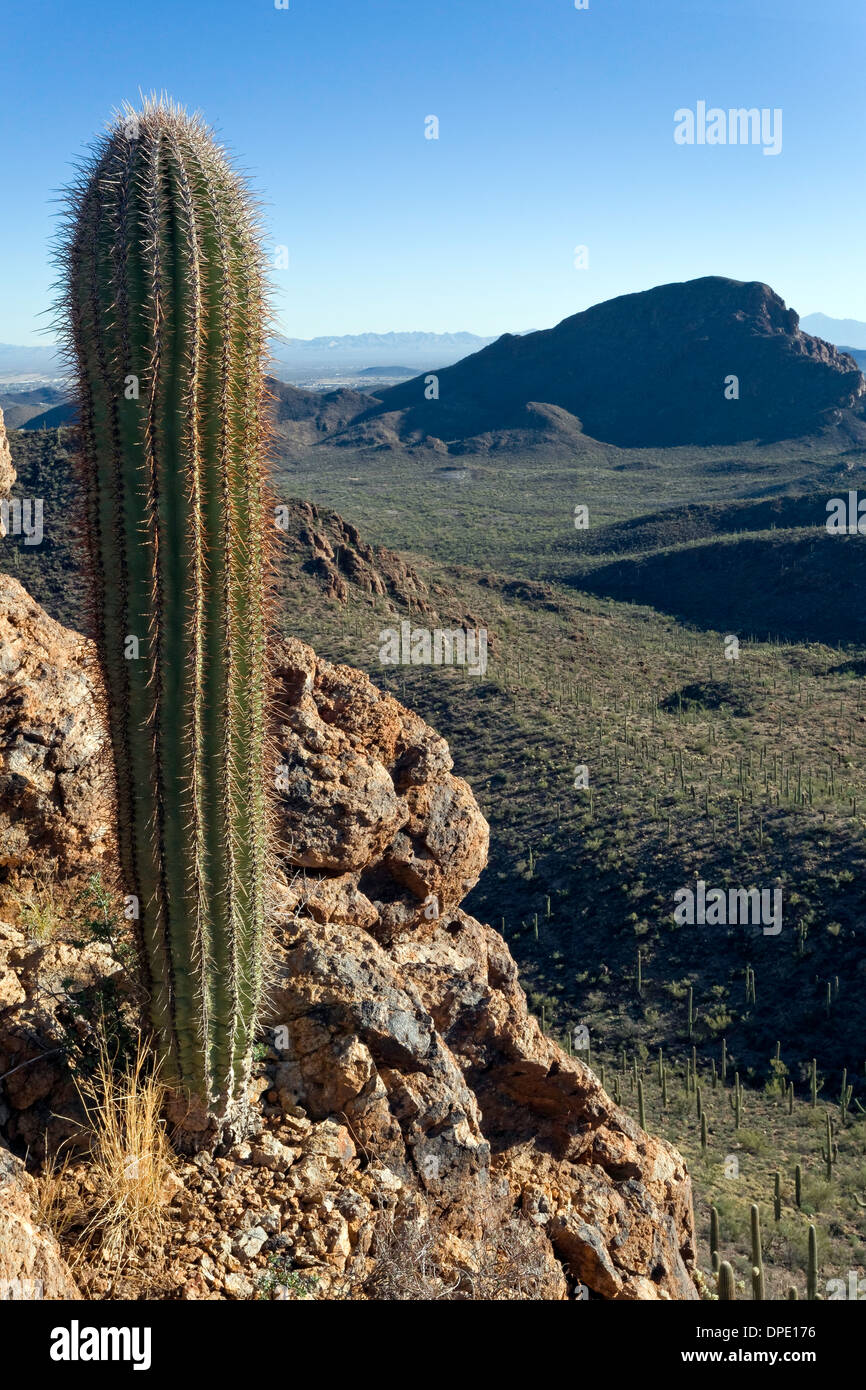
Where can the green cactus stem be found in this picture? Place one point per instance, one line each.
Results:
(165, 310)
(726, 1286)
(757, 1255)
(812, 1267)
(830, 1149)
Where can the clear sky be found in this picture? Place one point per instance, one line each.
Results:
(556, 129)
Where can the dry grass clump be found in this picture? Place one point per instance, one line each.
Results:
(509, 1261)
(113, 1207)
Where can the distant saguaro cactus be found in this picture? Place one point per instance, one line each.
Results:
(725, 1283)
(165, 314)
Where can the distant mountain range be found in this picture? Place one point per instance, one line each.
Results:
(364, 342)
(351, 352)
(357, 352)
(850, 333)
(38, 361)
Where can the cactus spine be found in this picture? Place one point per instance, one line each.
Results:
(164, 304)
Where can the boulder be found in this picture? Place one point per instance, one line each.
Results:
(55, 780)
(31, 1265)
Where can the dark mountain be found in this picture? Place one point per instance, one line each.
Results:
(20, 406)
(701, 521)
(649, 369)
(63, 414)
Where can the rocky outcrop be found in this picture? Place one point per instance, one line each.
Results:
(31, 1265)
(55, 804)
(392, 1016)
(368, 798)
(404, 1016)
(320, 543)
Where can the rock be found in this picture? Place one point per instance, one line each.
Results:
(31, 1265)
(248, 1243)
(369, 800)
(415, 1029)
(323, 545)
(40, 979)
(268, 1152)
(55, 786)
(238, 1286)
(7, 470)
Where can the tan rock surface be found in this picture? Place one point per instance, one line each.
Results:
(54, 770)
(31, 1265)
(7, 471)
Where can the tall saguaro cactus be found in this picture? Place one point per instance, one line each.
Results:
(164, 302)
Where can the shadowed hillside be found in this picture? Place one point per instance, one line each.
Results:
(805, 584)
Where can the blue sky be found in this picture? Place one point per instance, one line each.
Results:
(556, 130)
